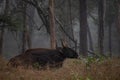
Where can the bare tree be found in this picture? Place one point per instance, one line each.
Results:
(90, 40)
(110, 21)
(117, 5)
(1, 39)
(83, 28)
(26, 42)
(70, 20)
(52, 24)
(3, 26)
(101, 26)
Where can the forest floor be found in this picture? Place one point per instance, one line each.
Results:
(108, 69)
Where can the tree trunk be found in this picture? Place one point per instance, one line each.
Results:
(117, 5)
(110, 36)
(52, 24)
(28, 37)
(6, 11)
(23, 42)
(70, 21)
(70, 17)
(1, 39)
(101, 26)
(118, 16)
(90, 40)
(24, 38)
(27, 31)
(83, 28)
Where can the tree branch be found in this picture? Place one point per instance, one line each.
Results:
(30, 2)
(61, 26)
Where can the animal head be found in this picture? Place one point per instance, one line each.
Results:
(67, 52)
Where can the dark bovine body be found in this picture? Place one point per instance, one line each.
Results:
(53, 58)
(20, 60)
(44, 57)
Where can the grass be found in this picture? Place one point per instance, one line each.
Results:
(72, 70)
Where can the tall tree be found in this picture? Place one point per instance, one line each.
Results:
(117, 5)
(70, 17)
(101, 26)
(52, 24)
(6, 10)
(1, 39)
(26, 42)
(70, 20)
(91, 48)
(83, 28)
(110, 17)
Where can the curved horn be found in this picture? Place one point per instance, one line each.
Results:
(63, 43)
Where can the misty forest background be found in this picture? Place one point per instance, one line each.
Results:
(88, 26)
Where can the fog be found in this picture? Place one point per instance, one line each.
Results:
(40, 38)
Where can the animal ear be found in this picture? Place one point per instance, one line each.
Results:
(64, 44)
